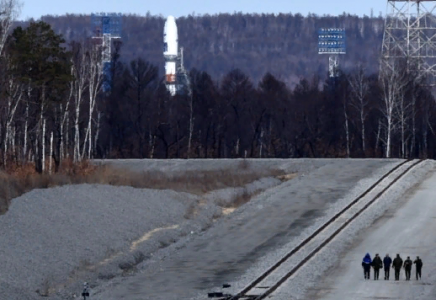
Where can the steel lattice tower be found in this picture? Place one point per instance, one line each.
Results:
(410, 34)
(106, 27)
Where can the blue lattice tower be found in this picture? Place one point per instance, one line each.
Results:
(106, 27)
(332, 42)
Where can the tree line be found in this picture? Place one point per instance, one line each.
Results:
(53, 108)
(286, 44)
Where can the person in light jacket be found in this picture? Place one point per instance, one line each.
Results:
(366, 264)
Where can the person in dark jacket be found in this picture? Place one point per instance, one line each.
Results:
(408, 267)
(397, 264)
(387, 261)
(377, 264)
(418, 268)
(366, 264)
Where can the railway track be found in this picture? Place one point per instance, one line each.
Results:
(295, 259)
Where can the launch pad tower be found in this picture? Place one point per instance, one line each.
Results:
(106, 27)
(410, 34)
(182, 75)
(332, 42)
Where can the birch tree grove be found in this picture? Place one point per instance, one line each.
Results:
(393, 84)
(13, 93)
(80, 70)
(95, 80)
(53, 111)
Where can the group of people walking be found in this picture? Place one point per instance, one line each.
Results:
(397, 264)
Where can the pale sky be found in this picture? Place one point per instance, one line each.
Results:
(177, 8)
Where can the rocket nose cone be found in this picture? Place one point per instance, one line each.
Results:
(171, 26)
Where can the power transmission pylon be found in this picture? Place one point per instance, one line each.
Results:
(410, 35)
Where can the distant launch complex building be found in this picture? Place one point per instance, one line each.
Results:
(176, 77)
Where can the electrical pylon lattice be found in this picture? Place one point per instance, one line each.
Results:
(410, 35)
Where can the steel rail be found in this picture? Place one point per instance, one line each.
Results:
(331, 237)
(243, 293)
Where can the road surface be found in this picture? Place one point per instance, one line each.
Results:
(408, 229)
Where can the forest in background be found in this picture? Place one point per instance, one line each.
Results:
(53, 108)
(284, 45)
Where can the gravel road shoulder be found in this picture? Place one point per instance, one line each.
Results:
(134, 242)
(228, 251)
(309, 282)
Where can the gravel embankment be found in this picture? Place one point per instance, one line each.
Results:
(407, 228)
(52, 240)
(177, 166)
(228, 250)
(48, 235)
(310, 275)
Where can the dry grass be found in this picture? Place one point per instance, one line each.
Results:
(16, 181)
(237, 201)
(287, 177)
(195, 182)
(129, 266)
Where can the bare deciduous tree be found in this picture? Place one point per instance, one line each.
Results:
(80, 70)
(95, 81)
(13, 91)
(347, 129)
(393, 82)
(403, 114)
(191, 123)
(9, 11)
(359, 89)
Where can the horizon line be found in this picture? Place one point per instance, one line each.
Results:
(148, 14)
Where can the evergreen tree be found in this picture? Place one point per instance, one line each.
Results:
(40, 60)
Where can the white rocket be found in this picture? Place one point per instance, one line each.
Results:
(171, 52)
